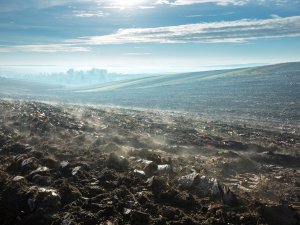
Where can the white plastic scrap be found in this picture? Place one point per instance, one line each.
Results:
(127, 211)
(187, 180)
(18, 178)
(75, 170)
(164, 169)
(63, 164)
(203, 183)
(53, 192)
(140, 172)
(26, 162)
(40, 169)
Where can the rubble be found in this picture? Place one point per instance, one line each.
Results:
(71, 177)
(117, 162)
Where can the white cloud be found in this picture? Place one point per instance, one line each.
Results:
(136, 53)
(213, 32)
(19, 5)
(87, 14)
(44, 48)
(191, 2)
(226, 2)
(275, 16)
(210, 15)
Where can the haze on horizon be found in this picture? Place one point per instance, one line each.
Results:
(147, 36)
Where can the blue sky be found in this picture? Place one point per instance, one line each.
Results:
(148, 35)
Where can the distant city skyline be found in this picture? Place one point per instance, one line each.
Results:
(148, 36)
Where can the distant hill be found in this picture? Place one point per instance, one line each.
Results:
(178, 79)
(15, 88)
(266, 93)
(73, 78)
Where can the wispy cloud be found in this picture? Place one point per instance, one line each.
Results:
(191, 2)
(87, 14)
(213, 32)
(136, 53)
(19, 5)
(44, 48)
(224, 2)
(210, 15)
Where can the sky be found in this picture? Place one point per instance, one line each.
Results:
(149, 36)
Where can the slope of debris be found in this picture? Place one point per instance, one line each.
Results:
(83, 165)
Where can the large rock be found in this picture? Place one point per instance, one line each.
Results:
(117, 162)
(275, 215)
(138, 218)
(157, 184)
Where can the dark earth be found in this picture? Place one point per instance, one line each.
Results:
(75, 164)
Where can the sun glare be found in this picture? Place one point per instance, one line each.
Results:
(126, 3)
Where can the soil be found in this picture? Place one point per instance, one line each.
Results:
(75, 164)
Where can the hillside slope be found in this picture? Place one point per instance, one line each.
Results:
(267, 93)
(264, 93)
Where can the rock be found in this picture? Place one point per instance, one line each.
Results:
(23, 164)
(50, 162)
(108, 175)
(37, 154)
(152, 156)
(171, 213)
(46, 198)
(97, 142)
(40, 180)
(204, 184)
(138, 218)
(157, 184)
(143, 197)
(151, 169)
(184, 200)
(19, 148)
(93, 187)
(93, 190)
(229, 197)
(112, 147)
(117, 162)
(65, 168)
(275, 215)
(216, 189)
(69, 193)
(68, 219)
(3, 140)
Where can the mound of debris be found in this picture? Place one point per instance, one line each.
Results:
(105, 167)
(38, 188)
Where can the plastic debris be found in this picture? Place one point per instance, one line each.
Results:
(75, 170)
(164, 169)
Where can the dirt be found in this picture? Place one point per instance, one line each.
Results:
(74, 164)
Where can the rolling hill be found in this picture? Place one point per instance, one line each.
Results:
(266, 93)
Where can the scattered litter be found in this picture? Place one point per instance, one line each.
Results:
(75, 170)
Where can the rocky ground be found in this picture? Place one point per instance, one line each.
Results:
(71, 164)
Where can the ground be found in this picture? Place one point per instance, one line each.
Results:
(76, 164)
